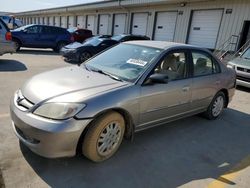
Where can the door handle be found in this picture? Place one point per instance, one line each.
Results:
(217, 82)
(185, 89)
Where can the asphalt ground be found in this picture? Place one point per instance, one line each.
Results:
(192, 152)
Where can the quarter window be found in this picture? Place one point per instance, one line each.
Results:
(204, 64)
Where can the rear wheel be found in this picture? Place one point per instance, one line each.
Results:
(104, 137)
(84, 56)
(216, 106)
(17, 44)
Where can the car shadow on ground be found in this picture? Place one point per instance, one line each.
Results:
(37, 52)
(7, 65)
(164, 156)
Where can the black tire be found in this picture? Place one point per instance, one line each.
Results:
(17, 44)
(216, 106)
(104, 137)
(59, 46)
(84, 56)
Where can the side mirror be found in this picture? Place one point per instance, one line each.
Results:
(158, 78)
(240, 53)
(25, 31)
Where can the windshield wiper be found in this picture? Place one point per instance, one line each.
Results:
(107, 74)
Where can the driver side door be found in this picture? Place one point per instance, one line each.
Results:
(161, 102)
(31, 36)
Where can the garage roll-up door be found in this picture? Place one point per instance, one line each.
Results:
(81, 21)
(204, 28)
(165, 26)
(57, 21)
(103, 24)
(71, 21)
(64, 21)
(119, 23)
(91, 22)
(51, 21)
(139, 23)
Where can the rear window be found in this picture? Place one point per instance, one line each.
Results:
(3, 25)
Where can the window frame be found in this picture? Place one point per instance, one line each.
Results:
(213, 60)
(164, 55)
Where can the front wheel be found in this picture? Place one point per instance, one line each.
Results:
(84, 56)
(104, 137)
(216, 106)
(17, 45)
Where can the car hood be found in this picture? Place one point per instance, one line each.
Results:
(65, 81)
(241, 62)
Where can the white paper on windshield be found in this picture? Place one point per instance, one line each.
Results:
(137, 62)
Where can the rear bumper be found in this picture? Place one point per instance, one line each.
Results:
(45, 137)
(7, 47)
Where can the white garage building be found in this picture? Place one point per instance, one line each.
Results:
(207, 23)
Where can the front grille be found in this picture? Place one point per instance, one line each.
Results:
(21, 102)
(243, 69)
(243, 78)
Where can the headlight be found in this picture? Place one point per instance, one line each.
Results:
(231, 66)
(59, 111)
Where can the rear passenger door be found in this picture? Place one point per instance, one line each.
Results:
(206, 79)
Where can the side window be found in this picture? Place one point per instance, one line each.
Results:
(174, 65)
(204, 64)
(34, 30)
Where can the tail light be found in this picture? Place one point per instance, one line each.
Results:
(72, 38)
(8, 36)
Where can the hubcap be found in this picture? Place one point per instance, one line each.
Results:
(218, 106)
(85, 56)
(109, 138)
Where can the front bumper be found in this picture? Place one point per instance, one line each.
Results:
(242, 83)
(45, 137)
(69, 55)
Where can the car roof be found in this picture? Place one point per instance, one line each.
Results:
(162, 44)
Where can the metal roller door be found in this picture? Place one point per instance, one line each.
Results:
(81, 21)
(51, 21)
(204, 28)
(140, 23)
(64, 21)
(119, 23)
(57, 21)
(71, 21)
(165, 26)
(103, 24)
(90, 22)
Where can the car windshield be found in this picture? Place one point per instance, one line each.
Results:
(117, 37)
(95, 41)
(125, 61)
(246, 54)
(22, 28)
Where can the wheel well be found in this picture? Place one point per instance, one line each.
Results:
(226, 95)
(16, 39)
(129, 126)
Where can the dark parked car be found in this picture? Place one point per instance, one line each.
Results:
(129, 37)
(80, 52)
(80, 35)
(41, 36)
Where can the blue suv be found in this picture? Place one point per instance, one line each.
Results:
(41, 36)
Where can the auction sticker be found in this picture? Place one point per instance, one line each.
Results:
(137, 62)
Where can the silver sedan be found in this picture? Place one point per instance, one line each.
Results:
(130, 87)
